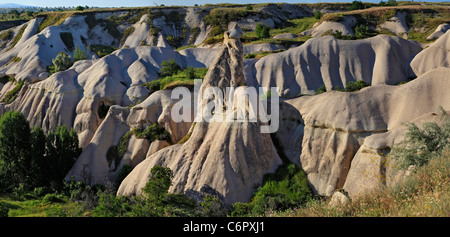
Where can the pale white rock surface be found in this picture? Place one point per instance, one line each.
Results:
(226, 159)
(436, 55)
(332, 62)
(337, 123)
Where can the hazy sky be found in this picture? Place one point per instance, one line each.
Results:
(139, 3)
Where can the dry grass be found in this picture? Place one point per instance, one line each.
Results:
(426, 193)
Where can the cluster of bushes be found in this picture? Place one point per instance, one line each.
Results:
(350, 87)
(171, 75)
(32, 158)
(287, 188)
(63, 61)
(362, 31)
(152, 132)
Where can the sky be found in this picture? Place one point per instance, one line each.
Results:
(141, 3)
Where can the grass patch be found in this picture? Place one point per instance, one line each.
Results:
(102, 50)
(17, 37)
(295, 26)
(425, 193)
(179, 79)
(12, 94)
(125, 35)
(52, 19)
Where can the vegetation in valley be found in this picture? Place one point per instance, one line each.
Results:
(171, 75)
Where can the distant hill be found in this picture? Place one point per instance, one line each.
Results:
(14, 5)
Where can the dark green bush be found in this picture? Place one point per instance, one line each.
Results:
(285, 189)
(102, 50)
(356, 5)
(321, 89)
(169, 68)
(356, 86)
(152, 132)
(262, 31)
(318, 15)
(3, 210)
(51, 198)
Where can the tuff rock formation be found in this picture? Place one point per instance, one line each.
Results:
(227, 159)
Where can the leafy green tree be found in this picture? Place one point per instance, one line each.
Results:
(15, 155)
(317, 15)
(262, 31)
(211, 206)
(62, 62)
(391, 3)
(169, 68)
(62, 150)
(159, 183)
(356, 5)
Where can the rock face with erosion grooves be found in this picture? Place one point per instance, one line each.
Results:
(337, 124)
(332, 62)
(227, 159)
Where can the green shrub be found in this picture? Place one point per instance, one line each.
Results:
(158, 184)
(420, 145)
(356, 86)
(62, 62)
(262, 31)
(102, 50)
(356, 5)
(321, 89)
(152, 132)
(51, 198)
(287, 188)
(361, 31)
(79, 54)
(240, 209)
(317, 15)
(169, 68)
(212, 206)
(3, 210)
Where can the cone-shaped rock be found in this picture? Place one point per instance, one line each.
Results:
(226, 159)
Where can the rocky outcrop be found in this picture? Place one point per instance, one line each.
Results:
(440, 31)
(436, 55)
(397, 24)
(331, 62)
(95, 167)
(337, 124)
(345, 27)
(227, 159)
